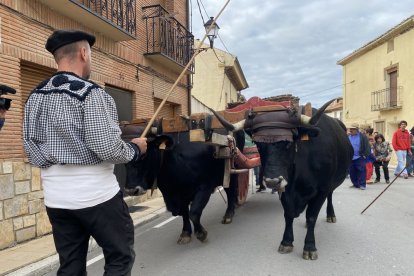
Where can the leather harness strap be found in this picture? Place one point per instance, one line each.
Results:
(272, 126)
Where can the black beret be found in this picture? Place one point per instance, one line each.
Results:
(4, 89)
(61, 38)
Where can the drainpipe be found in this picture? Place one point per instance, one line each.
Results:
(189, 75)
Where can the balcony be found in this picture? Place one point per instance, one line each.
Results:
(115, 19)
(387, 99)
(167, 41)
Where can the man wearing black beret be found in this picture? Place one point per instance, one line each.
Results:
(71, 132)
(4, 102)
(61, 38)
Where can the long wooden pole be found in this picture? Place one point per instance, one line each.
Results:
(182, 73)
(389, 185)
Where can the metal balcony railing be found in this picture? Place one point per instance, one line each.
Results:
(166, 36)
(386, 99)
(120, 13)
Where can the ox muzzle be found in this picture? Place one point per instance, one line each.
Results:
(278, 183)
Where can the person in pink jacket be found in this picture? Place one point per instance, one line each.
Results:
(402, 146)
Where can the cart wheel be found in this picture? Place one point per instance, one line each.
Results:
(243, 187)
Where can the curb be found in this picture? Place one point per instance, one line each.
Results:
(47, 264)
(38, 268)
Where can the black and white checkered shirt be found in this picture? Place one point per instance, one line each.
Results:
(69, 120)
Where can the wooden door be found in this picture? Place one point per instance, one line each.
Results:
(167, 111)
(393, 88)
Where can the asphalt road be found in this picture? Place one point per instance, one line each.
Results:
(379, 242)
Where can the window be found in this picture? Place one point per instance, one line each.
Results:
(123, 101)
(31, 75)
(393, 87)
(390, 46)
(380, 127)
(169, 109)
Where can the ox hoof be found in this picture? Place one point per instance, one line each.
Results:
(184, 238)
(331, 219)
(285, 249)
(137, 191)
(227, 220)
(310, 255)
(202, 236)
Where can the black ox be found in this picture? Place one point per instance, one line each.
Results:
(186, 173)
(305, 158)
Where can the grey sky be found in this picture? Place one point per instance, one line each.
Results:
(293, 46)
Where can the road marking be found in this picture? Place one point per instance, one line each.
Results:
(164, 222)
(94, 260)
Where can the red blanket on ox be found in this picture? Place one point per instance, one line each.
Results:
(243, 162)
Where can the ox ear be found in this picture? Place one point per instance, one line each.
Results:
(163, 142)
(308, 130)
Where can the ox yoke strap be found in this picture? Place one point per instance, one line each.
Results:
(273, 125)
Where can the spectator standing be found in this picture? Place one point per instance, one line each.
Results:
(402, 146)
(410, 158)
(71, 132)
(362, 150)
(382, 152)
(369, 161)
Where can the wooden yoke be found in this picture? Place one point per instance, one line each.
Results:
(203, 127)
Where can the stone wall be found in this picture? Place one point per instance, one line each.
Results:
(22, 212)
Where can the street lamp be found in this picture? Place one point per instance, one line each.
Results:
(212, 32)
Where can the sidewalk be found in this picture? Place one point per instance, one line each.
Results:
(37, 256)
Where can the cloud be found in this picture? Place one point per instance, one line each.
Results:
(293, 46)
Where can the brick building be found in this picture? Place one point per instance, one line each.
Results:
(141, 48)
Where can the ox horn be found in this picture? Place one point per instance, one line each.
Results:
(227, 125)
(306, 120)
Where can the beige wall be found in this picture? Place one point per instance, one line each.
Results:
(211, 85)
(335, 114)
(369, 74)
